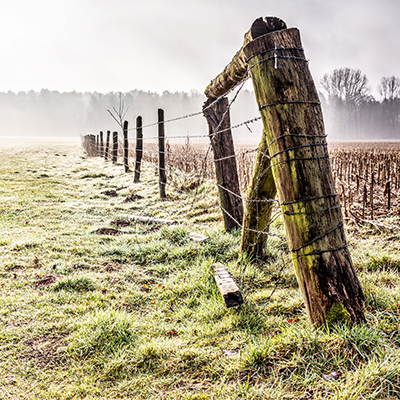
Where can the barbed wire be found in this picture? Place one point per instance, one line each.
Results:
(167, 137)
(240, 83)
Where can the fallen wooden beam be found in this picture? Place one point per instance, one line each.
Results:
(227, 287)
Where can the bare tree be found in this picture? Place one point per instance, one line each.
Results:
(346, 89)
(389, 89)
(119, 118)
(119, 115)
(346, 84)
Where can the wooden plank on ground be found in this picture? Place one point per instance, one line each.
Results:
(227, 287)
(197, 237)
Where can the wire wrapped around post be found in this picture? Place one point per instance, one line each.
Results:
(294, 131)
(220, 134)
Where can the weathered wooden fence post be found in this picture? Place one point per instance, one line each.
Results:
(260, 198)
(219, 124)
(115, 147)
(161, 153)
(89, 144)
(294, 131)
(97, 145)
(107, 145)
(387, 192)
(139, 148)
(101, 144)
(126, 147)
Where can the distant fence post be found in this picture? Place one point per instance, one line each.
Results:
(97, 145)
(107, 145)
(139, 148)
(219, 124)
(115, 147)
(126, 147)
(101, 144)
(161, 153)
(294, 131)
(89, 144)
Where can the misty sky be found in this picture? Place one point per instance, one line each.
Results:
(177, 45)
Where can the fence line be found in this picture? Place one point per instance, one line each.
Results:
(199, 177)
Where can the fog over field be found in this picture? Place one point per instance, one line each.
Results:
(65, 65)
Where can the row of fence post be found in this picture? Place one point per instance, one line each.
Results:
(94, 147)
(223, 149)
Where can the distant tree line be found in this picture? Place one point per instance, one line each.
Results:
(351, 112)
(51, 113)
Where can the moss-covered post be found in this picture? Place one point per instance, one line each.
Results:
(219, 124)
(261, 195)
(294, 132)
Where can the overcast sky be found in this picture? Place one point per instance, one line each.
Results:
(177, 45)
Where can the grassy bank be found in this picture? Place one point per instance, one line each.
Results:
(96, 306)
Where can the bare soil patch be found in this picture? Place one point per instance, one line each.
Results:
(46, 280)
(108, 231)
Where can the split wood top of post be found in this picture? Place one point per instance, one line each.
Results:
(235, 71)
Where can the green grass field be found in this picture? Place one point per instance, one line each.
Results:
(137, 315)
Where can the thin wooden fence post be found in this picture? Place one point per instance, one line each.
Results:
(126, 147)
(161, 153)
(371, 195)
(219, 128)
(101, 144)
(387, 192)
(294, 131)
(364, 200)
(139, 148)
(107, 146)
(97, 145)
(115, 147)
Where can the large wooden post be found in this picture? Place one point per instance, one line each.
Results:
(294, 131)
(139, 148)
(161, 154)
(219, 124)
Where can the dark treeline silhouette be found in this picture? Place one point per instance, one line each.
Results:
(352, 113)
